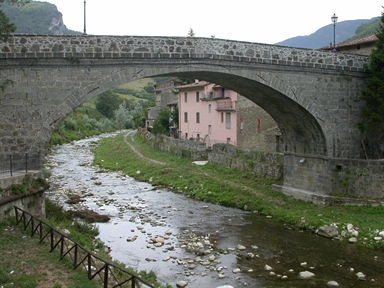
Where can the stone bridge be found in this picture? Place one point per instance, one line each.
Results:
(312, 95)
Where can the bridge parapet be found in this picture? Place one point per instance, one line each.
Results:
(115, 47)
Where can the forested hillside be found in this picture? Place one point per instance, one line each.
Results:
(36, 18)
(345, 30)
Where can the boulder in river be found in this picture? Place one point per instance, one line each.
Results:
(327, 231)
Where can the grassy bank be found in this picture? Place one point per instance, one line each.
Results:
(26, 263)
(213, 183)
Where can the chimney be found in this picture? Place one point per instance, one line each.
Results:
(196, 81)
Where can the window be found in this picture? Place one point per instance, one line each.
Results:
(197, 117)
(209, 108)
(198, 136)
(228, 120)
(197, 96)
(185, 116)
(228, 140)
(185, 97)
(209, 129)
(186, 135)
(222, 117)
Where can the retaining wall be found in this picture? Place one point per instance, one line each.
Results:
(263, 164)
(34, 203)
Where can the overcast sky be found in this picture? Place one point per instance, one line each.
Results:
(261, 21)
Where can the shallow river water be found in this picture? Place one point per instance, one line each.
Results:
(203, 244)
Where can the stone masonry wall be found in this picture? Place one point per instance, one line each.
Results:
(89, 46)
(256, 128)
(183, 148)
(262, 164)
(361, 178)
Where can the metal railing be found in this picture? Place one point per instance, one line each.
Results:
(10, 164)
(109, 274)
(226, 105)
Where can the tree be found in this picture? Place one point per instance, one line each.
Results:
(107, 103)
(175, 117)
(372, 114)
(7, 28)
(123, 119)
(161, 123)
(191, 33)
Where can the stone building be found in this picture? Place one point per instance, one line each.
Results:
(256, 129)
(165, 96)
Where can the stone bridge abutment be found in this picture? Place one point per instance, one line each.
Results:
(312, 95)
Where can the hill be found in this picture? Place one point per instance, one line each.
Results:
(345, 30)
(37, 18)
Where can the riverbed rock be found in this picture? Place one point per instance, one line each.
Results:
(241, 247)
(327, 231)
(236, 270)
(182, 284)
(352, 240)
(267, 267)
(306, 275)
(332, 284)
(360, 276)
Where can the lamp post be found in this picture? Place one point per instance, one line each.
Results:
(85, 30)
(334, 20)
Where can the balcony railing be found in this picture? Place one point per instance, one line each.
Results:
(226, 106)
(214, 95)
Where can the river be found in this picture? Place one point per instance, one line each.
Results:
(202, 244)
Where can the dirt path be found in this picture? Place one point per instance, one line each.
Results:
(130, 134)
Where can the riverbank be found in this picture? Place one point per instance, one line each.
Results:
(215, 184)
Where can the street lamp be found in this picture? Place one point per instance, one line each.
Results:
(85, 30)
(334, 20)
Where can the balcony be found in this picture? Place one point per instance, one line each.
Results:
(214, 95)
(225, 106)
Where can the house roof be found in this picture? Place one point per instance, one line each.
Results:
(365, 40)
(172, 103)
(193, 85)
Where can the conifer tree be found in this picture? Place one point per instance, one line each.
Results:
(7, 28)
(372, 115)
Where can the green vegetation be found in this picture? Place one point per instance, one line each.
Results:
(365, 30)
(372, 114)
(28, 263)
(34, 17)
(213, 183)
(107, 112)
(6, 25)
(83, 122)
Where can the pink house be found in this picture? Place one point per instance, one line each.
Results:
(207, 112)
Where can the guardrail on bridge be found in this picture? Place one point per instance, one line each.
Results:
(19, 163)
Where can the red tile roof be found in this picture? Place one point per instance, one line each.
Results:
(368, 39)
